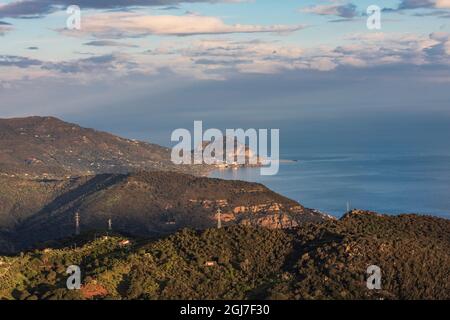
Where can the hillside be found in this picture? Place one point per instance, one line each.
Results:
(313, 261)
(49, 147)
(141, 203)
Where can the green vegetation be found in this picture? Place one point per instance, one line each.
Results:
(140, 204)
(325, 260)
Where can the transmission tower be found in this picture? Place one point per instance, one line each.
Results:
(219, 218)
(77, 223)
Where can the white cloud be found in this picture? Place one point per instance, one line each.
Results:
(220, 59)
(40, 8)
(121, 25)
(340, 10)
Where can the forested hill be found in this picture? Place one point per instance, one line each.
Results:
(325, 260)
(141, 204)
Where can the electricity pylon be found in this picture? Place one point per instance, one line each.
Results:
(219, 218)
(77, 223)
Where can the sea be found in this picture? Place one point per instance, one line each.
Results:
(385, 182)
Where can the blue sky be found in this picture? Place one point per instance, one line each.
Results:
(43, 31)
(302, 66)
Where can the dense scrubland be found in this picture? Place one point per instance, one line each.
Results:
(326, 260)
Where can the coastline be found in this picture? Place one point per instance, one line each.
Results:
(315, 187)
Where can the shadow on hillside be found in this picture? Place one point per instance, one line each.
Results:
(34, 228)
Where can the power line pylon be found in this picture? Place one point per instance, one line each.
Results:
(219, 218)
(77, 223)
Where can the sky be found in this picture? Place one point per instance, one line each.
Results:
(313, 69)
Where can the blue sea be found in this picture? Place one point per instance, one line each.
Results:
(382, 182)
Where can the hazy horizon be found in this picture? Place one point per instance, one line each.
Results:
(314, 71)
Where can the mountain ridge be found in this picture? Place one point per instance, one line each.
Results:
(50, 147)
(143, 203)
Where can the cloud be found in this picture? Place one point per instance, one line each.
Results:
(26, 8)
(37, 8)
(390, 49)
(168, 8)
(340, 10)
(220, 59)
(108, 43)
(4, 28)
(224, 62)
(103, 64)
(417, 4)
(122, 25)
(109, 67)
(444, 4)
(441, 50)
(364, 50)
(17, 61)
(433, 13)
(431, 8)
